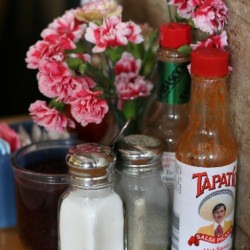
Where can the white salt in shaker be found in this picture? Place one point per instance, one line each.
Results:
(146, 200)
(90, 212)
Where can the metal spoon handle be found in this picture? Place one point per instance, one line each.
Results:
(119, 134)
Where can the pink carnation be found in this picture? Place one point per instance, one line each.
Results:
(128, 64)
(61, 64)
(56, 50)
(73, 85)
(67, 26)
(112, 33)
(128, 88)
(65, 87)
(36, 53)
(50, 83)
(214, 41)
(196, 3)
(88, 108)
(49, 118)
(131, 31)
(211, 16)
(184, 9)
(50, 50)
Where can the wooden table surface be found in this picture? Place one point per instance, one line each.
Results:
(15, 118)
(9, 240)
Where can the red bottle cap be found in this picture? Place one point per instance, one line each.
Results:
(209, 62)
(174, 35)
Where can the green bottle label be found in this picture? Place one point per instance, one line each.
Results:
(173, 83)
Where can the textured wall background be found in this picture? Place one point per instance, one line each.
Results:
(155, 12)
(239, 90)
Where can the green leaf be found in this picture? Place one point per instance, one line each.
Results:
(80, 48)
(137, 50)
(148, 64)
(154, 37)
(185, 49)
(74, 63)
(115, 53)
(82, 68)
(191, 23)
(149, 56)
(129, 109)
(57, 105)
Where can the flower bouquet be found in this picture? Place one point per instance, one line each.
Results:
(207, 17)
(90, 62)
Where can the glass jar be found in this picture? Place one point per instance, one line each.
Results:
(90, 212)
(145, 199)
(40, 175)
(167, 116)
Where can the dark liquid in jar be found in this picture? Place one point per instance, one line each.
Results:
(37, 208)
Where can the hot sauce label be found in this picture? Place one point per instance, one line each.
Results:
(168, 165)
(173, 83)
(204, 201)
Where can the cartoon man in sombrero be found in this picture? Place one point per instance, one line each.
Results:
(218, 209)
(220, 225)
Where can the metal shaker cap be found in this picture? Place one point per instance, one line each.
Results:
(139, 150)
(92, 163)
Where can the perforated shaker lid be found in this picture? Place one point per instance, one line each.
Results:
(139, 150)
(91, 161)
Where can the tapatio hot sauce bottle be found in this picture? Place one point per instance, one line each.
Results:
(206, 160)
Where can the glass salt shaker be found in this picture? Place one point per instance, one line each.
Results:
(91, 214)
(138, 170)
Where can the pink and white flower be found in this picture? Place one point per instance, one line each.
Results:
(214, 41)
(128, 88)
(112, 33)
(184, 9)
(87, 107)
(131, 31)
(128, 64)
(210, 16)
(65, 88)
(50, 50)
(50, 118)
(129, 84)
(36, 53)
(81, 81)
(66, 26)
(51, 85)
(72, 86)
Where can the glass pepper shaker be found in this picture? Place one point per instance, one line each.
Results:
(91, 214)
(138, 170)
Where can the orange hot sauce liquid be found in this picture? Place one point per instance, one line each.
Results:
(208, 140)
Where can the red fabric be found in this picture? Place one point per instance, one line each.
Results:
(218, 231)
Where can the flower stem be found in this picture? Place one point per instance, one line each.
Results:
(148, 53)
(170, 12)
